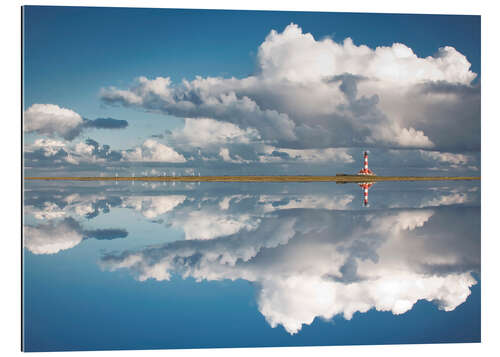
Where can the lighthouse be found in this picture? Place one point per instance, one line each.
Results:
(365, 170)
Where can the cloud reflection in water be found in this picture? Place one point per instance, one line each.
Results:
(310, 257)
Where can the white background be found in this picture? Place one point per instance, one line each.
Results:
(10, 131)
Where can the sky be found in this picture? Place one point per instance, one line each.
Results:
(152, 91)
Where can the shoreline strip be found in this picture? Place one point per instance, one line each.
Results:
(340, 179)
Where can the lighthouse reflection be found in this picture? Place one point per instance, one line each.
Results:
(365, 186)
(308, 250)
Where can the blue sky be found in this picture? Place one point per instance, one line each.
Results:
(87, 60)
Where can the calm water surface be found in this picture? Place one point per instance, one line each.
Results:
(156, 265)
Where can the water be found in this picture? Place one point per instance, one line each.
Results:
(156, 265)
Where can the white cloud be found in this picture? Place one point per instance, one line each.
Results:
(51, 210)
(55, 236)
(225, 203)
(319, 155)
(208, 224)
(50, 151)
(153, 206)
(153, 151)
(206, 132)
(339, 202)
(224, 154)
(449, 199)
(53, 120)
(298, 57)
(54, 205)
(407, 138)
(446, 157)
(297, 301)
(228, 157)
(50, 119)
(51, 238)
(216, 217)
(51, 145)
(400, 221)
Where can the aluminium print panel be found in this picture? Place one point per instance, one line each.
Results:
(216, 178)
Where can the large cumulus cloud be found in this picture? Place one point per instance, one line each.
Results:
(314, 94)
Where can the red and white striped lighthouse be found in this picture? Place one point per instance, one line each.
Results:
(365, 170)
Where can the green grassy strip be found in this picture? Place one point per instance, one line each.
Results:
(345, 178)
